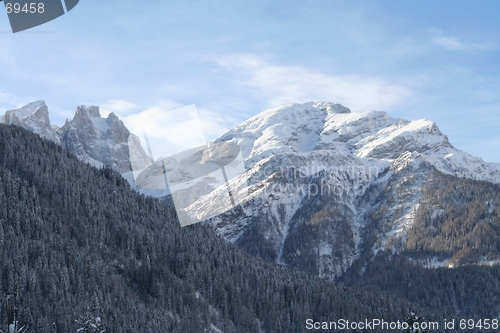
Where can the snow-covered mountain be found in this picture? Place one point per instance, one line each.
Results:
(34, 117)
(315, 177)
(96, 140)
(369, 136)
(312, 170)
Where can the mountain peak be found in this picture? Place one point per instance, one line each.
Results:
(309, 108)
(293, 127)
(33, 117)
(374, 135)
(101, 141)
(328, 106)
(88, 112)
(27, 110)
(113, 116)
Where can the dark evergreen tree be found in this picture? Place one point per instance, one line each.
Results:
(414, 323)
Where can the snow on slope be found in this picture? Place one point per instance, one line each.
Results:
(320, 136)
(301, 128)
(290, 128)
(33, 117)
(350, 151)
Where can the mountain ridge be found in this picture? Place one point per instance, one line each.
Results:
(308, 167)
(95, 140)
(351, 154)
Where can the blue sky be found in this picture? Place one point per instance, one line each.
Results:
(233, 59)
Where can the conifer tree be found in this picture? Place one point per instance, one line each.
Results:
(414, 323)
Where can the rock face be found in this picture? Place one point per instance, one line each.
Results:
(33, 117)
(96, 140)
(101, 141)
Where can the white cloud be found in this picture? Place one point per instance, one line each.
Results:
(6, 98)
(10, 102)
(281, 84)
(173, 130)
(168, 131)
(454, 44)
(119, 107)
(213, 124)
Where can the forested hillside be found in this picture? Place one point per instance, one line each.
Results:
(458, 219)
(463, 292)
(76, 241)
(450, 257)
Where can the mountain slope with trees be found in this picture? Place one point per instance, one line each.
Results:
(77, 241)
(449, 258)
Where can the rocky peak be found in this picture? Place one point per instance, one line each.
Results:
(89, 112)
(101, 141)
(33, 117)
